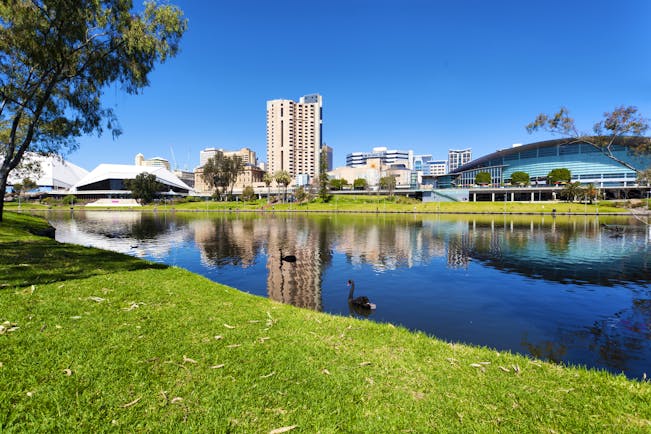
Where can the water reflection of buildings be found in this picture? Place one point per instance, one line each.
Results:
(134, 233)
(298, 283)
(388, 245)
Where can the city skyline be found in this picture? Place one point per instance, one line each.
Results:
(414, 75)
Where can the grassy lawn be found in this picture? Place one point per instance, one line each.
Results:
(373, 204)
(94, 341)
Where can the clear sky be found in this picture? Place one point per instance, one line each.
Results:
(406, 74)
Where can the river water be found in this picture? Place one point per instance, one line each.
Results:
(565, 289)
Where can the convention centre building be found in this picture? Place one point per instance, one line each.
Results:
(586, 163)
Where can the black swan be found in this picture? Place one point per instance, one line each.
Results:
(288, 258)
(359, 302)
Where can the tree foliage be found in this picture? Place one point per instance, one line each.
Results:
(590, 193)
(283, 178)
(520, 178)
(324, 180)
(360, 184)
(267, 179)
(221, 172)
(558, 176)
(248, 194)
(572, 191)
(388, 183)
(338, 184)
(483, 178)
(621, 122)
(144, 187)
(56, 59)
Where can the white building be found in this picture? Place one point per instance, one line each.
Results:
(108, 179)
(50, 173)
(458, 157)
(152, 162)
(294, 136)
(387, 156)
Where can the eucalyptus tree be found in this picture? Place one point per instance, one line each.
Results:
(57, 57)
(221, 171)
(559, 175)
(621, 122)
(388, 183)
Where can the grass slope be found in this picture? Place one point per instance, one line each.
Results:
(133, 346)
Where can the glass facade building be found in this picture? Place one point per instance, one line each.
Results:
(586, 163)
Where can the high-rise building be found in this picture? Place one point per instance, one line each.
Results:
(294, 135)
(457, 158)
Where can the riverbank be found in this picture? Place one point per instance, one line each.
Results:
(126, 344)
(370, 204)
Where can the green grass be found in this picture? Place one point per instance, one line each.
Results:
(120, 344)
(377, 204)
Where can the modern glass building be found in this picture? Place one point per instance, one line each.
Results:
(586, 163)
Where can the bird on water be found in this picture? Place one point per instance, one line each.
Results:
(288, 258)
(359, 302)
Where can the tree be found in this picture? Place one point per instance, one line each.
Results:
(338, 184)
(301, 194)
(483, 178)
(571, 191)
(282, 178)
(590, 193)
(248, 194)
(324, 190)
(144, 187)
(621, 122)
(360, 184)
(520, 178)
(388, 183)
(56, 59)
(221, 172)
(267, 179)
(558, 176)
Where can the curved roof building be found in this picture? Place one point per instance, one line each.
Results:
(109, 178)
(52, 173)
(586, 163)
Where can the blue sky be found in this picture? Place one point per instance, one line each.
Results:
(423, 75)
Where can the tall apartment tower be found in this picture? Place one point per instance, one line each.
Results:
(294, 136)
(457, 158)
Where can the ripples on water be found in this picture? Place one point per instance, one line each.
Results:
(562, 289)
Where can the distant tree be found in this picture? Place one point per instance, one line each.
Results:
(69, 199)
(338, 184)
(283, 178)
(520, 178)
(483, 178)
(558, 176)
(388, 183)
(221, 172)
(248, 194)
(324, 190)
(590, 193)
(144, 187)
(58, 57)
(267, 179)
(621, 122)
(644, 177)
(301, 194)
(360, 184)
(571, 191)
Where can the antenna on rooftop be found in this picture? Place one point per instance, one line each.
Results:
(176, 166)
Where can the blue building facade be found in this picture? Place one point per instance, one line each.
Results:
(587, 164)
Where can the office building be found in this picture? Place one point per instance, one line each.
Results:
(387, 156)
(457, 158)
(294, 136)
(152, 162)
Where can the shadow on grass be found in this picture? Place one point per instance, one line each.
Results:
(47, 261)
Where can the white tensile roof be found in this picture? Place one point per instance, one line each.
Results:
(55, 172)
(125, 171)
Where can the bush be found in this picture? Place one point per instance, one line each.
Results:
(69, 199)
